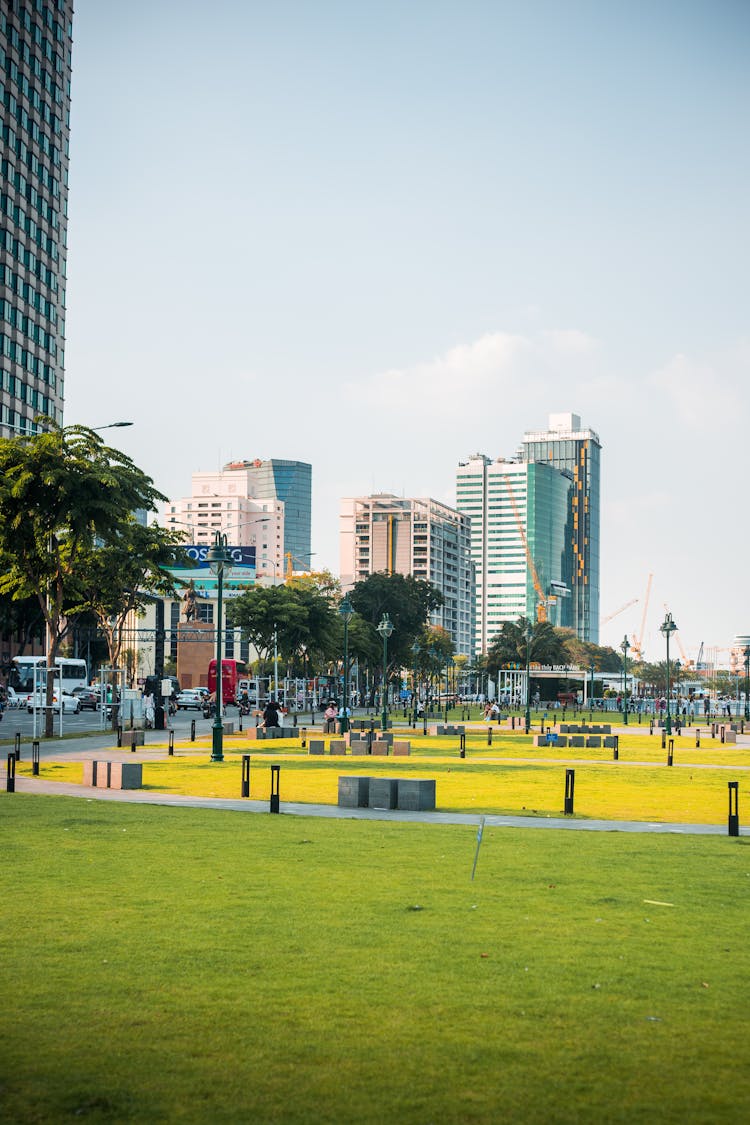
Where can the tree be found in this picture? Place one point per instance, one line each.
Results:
(121, 576)
(299, 616)
(509, 646)
(407, 600)
(60, 491)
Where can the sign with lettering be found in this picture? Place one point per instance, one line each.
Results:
(240, 556)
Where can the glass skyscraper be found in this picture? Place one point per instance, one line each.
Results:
(291, 482)
(35, 59)
(571, 449)
(519, 515)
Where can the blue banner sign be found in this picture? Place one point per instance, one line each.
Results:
(240, 556)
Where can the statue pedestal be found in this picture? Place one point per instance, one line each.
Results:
(196, 647)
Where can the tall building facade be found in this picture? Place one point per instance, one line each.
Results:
(35, 61)
(421, 537)
(291, 483)
(221, 501)
(570, 448)
(520, 515)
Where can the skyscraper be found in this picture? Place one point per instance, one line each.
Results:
(290, 482)
(421, 537)
(35, 58)
(519, 541)
(570, 448)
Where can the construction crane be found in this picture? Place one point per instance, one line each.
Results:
(637, 642)
(617, 612)
(543, 601)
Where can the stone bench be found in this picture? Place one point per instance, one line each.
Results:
(541, 740)
(401, 749)
(380, 747)
(113, 775)
(410, 794)
(359, 746)
(337, 746)
(316, 746)
(593, 740)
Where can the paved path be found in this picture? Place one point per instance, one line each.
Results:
(101, 746)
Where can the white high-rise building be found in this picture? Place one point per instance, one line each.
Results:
(421, 537)
(221, 501)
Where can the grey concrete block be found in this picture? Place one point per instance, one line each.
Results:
(337, 746)
(401, 748)
(316, 746)
(593, 740)
(416, 794)
(383, 793)
(354, 792)
(125, 775)
(540, 740)
(380, 748)
(576, 740)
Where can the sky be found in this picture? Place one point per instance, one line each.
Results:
(383, 237)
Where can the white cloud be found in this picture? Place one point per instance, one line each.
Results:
(706, 391)
(571, 341)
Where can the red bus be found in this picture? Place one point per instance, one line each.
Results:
(231, 672)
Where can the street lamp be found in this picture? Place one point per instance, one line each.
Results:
(346, 611)
(667, 628)
(746, 654)
(625, 646)
(528, 676)
(385, 628)
(591, 691)
(415, 650)
(217, 558)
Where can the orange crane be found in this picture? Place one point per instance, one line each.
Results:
(686, 662)
(542, 600)
(617, 612)
(637, 642)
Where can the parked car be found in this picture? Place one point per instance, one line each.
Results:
(87, 697)
(190, 698)
(70, 704)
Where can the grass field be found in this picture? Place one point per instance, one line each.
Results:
(510, 777)
(188, 965)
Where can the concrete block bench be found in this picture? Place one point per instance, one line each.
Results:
(380, 747)
(113, 775)
(316, 746)
(337, 746)
(359, 746)
(401, 749)
(594, 740)
(410, 794)
(541, 740)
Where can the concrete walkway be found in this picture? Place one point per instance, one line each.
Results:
(100, 746)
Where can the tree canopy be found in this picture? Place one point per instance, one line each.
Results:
(408, 601)
(61, 492)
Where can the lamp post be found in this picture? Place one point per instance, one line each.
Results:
(668, 627)
(591, 691)
(218, 557)
(346, 611)
(415, 650)
(746, 654)
(385, 628)
(527, 719)
(677, 668)
(625, 646)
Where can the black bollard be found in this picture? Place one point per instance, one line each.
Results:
(697, 738)
(734, 814)
(670, 753)
(294, 719)
(132, 742)
(570, 784)
(663, 740)
(639, 718)
(721, 733)
(119, 736)
(192, 730)
(275, 771)
(10, 784)
(17, 746)
(424, 723)
(489, 736)
(35, 758)
(616, 750)
(651, 726)
(245, 775)
(462, 746)
(304, 737)
(170, 751)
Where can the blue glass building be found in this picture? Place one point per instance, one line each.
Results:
(290, 482)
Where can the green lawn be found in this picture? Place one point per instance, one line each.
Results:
(187, 965)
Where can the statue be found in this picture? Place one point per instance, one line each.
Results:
(188, 602)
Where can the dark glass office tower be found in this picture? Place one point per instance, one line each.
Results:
(290, 481)
(35, 54)
(570, 448)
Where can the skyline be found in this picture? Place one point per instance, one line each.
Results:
(396, 238)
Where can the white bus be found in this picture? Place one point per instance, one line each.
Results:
(24, 669)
